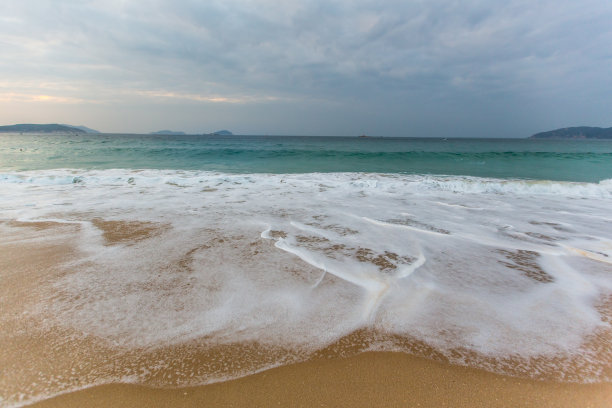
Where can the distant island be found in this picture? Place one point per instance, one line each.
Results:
(50, 128)
(580, 132)
(220, 133)
(63, 128)
(167, 133)
(85, 128)
(176, 133)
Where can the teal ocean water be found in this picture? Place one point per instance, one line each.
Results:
(495, 254)
(567, 160)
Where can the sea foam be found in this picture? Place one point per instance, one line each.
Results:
(497, 269)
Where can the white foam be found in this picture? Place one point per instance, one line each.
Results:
(354, 181)
(304, 265)
(407, 227)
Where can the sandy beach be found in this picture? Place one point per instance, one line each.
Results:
(258, 203)
(366, 380)
(56, 366)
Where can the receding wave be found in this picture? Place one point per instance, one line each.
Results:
(176, 277)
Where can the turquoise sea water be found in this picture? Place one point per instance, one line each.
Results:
(561, 160)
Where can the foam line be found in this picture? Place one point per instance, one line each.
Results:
(400, 226)
(588, 254)
(408, 270)
(458, 206)
(318, 282)
(369, 283)
(266, 233)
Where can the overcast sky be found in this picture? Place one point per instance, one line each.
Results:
(441, 68)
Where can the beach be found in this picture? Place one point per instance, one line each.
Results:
(307, 288)
(365, 380)
(258, 203)
(339, 375)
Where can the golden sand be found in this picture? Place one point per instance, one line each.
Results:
(366, 380)
(337, 376)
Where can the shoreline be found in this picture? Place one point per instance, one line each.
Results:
(369, 379)
(43, 356)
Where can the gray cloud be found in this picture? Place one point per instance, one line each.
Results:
(439, 68)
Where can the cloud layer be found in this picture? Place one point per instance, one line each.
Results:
(417, 68)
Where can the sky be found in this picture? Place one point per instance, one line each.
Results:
(439, 68)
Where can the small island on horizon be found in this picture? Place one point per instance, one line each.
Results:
(577, 133)
(179, 133)
(64, 128)
(48, 128)
(573, 133)
(220, 133)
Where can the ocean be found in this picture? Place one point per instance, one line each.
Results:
(558, 160)
(489, 253)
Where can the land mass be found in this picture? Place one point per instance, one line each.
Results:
(221, 133)
(176, 133)
(31, 128)
(85, 128)
(580, 132)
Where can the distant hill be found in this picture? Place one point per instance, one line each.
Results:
(167, 132)
(31, 128)
(221, 133)
(581, 132)
(84, 128)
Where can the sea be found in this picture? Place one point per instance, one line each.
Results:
(244, 253)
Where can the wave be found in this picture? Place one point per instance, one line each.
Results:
(355, 181)
(190, 152)
(294, 155)
(509, 275)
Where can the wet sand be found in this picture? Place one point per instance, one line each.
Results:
(372, 379)
(384, 379)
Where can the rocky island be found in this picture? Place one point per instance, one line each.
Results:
(220, 133)
(31, 128)
(580, 132)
